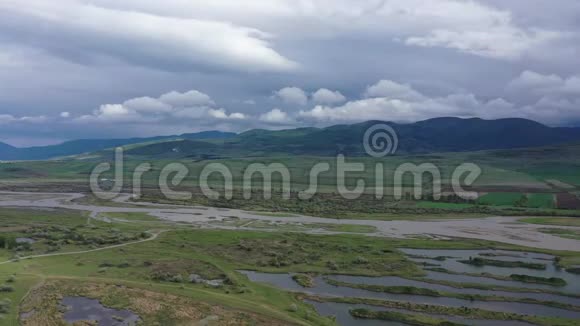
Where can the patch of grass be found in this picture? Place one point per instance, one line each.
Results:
(560, 221)
(468, 313)
(554, 281)
(500, 198)
(540, 201)
(303, 280)
(152, 307)
(131, 216)
(410, 290)
(60, 230)
(420, 320)
(430, 204)
(478, 261)
(273, 214)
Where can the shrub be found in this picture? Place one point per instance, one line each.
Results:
(293, 308)
(5, 306)
(361, 260)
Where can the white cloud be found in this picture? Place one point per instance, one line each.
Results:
(113, 113)
(292, 95)
(147, 104)
(537, 83)
(467, 26)
(398, 106)
(326, 96)
(502, 42)
(187, 99)
(276, 116)
(170, 108)
(191, 113)
(393, 90)
(222, 114)
(65, 115)
(8, 118)
(144, 38)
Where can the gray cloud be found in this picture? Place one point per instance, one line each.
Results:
(106, 62)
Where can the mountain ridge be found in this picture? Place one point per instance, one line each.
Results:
(80, 146)
(446, 134)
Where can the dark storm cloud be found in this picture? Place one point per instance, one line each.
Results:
(263, 64)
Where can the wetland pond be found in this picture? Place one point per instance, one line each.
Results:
(347, 288)
(450, 260)
(85, 309)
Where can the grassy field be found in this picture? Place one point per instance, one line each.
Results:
(540, 201)
(501, 198)
(560, 221)
(511, 181)
(157, 270)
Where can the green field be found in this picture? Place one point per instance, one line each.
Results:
(501, 198)
(516, 199)
(155, 269)
(540, 201)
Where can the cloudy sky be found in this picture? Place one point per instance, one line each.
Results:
(121, 68)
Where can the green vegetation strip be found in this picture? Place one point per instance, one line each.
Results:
(303, 280)
(419, 320)
(411, 290)
(491, 287)
(477, 261)
(468, 313)
(554, 281)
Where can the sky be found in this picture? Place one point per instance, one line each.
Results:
(72, 69)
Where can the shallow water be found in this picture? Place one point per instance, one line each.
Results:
(80, 308)
(398, 281)
(501, 229)
(284, 281)
(344, 318)
(454, 265)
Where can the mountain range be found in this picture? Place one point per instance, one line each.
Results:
(429, 136)
(75, 147)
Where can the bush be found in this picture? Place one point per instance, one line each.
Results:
(332, 265)
(6, 288)
(5, 306)
(293, 308)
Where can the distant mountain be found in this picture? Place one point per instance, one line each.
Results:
(7, 150)
(429, 136)
(6, 147)
(75, 147)
(434, 135)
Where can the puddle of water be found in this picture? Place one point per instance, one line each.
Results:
(454, 265)
(284, 281)
(80, 308)
(26, 315)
